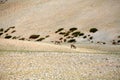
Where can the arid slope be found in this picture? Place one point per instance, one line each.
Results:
(46, 16)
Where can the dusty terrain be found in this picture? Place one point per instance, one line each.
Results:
(44, 17)
(36, 38)
(58, 66)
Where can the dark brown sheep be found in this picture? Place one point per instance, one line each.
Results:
(1, 34)
(8, 37)
(34, 36)
(1, 29)
(13, 31)
(73, 46)
(40, 39)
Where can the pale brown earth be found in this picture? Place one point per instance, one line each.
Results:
(58, 66)
(46, 16)
(16, 45)
(24, 60)
(30, 60)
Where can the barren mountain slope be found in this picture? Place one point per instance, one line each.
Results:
(46, 16)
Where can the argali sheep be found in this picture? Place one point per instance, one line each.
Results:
(73, 46)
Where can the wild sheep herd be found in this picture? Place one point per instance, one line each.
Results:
(66, 36)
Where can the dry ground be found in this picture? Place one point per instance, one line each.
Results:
(18, 61)
(46, 16)
(24, 60)
(58, 66)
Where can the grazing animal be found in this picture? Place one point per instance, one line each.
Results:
(73, 46)
(59, 30)
(14, 37)
(41, 39)
(104, 43)
(47, 36)
(68, 37)
(91, 41)
(65, 40)
(101, 42)
(9, 29)
(60, 38)
(1, 34)
(12, 27)
(1, 29)
(6, 30)
(22, 39)
(57, 42)
(34, 36)
(2, 1)
(114, 42)
(13, 31)
(8, 36)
